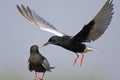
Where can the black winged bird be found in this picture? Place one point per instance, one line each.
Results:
(90, 32)
(38, 62)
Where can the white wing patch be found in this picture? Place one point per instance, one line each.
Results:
(35, 19)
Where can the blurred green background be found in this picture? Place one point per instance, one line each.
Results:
(69, 16)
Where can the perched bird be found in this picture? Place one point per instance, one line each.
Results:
(38, 62)
(90, 32)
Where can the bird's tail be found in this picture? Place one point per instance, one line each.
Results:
(52, 67)
(88, 48)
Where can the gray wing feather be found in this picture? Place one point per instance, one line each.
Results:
(46, 64)
(35, 19)
(102, 21)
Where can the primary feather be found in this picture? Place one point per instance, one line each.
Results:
(97, 26)
(35, 19)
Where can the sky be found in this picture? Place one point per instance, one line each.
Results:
(69, 16)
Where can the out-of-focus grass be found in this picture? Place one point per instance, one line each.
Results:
(19, 77)
(11, 77)
(24, 75)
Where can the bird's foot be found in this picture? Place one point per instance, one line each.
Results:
(81, 60)
(38, 78)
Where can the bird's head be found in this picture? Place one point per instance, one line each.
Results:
(34, 48)
(53, 40)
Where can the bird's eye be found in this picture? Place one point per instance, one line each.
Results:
(53, 40)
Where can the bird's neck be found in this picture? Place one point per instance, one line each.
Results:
(34, 52)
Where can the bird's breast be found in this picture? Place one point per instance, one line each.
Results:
(38, 67)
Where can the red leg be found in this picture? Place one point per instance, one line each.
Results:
(75, 60)
(81, 61)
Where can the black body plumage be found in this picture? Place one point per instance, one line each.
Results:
(37, 62)
(90, 32)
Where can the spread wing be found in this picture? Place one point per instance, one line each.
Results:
(35, 19)
(97, 26)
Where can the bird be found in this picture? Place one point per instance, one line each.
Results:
(37, 62)
(76, 43)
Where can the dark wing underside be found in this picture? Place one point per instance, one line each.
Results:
(97, 26)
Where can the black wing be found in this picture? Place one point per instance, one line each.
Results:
(29, 66)
(97, 26)
(46, 64)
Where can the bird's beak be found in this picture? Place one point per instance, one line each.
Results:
(45, 44)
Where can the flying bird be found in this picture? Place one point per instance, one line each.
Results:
(38, 62)
(90, 32)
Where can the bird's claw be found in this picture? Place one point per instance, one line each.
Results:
(38, 78)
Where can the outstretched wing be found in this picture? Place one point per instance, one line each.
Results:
(35, 19)
(97, 26)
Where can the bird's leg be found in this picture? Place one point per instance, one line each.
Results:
(81, 61)
(36, 74)
(43, 75)
(75, 60)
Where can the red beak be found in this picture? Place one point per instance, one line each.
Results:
(45, 44)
